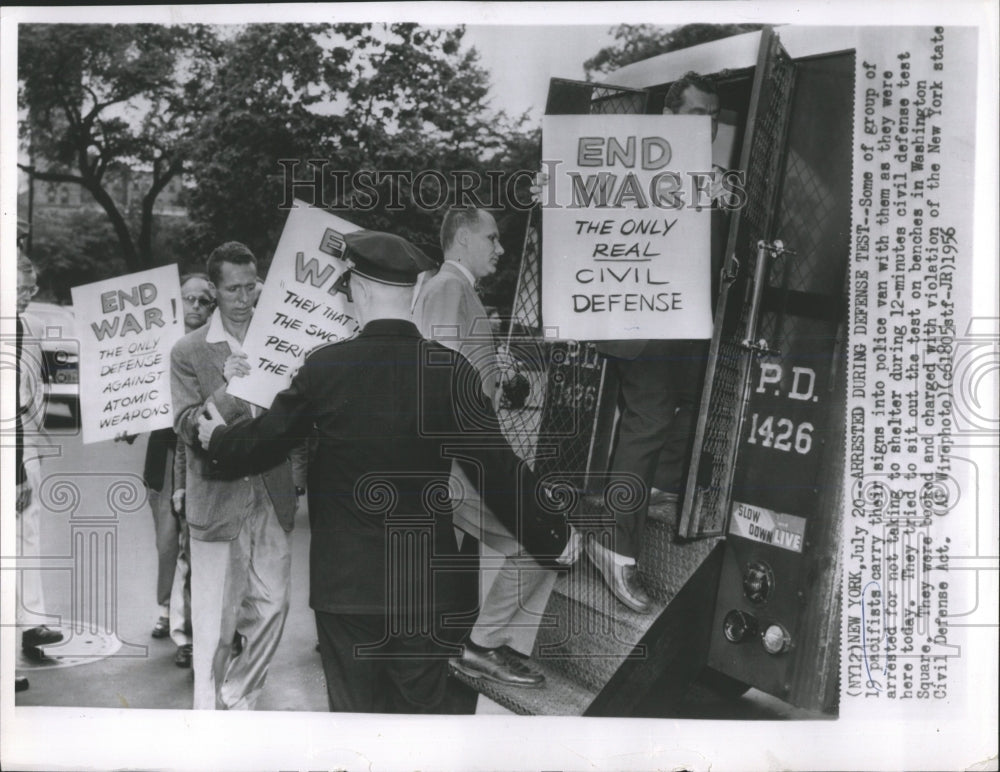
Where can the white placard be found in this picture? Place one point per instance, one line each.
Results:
(626, 227)
(298, 309)
(127, 326)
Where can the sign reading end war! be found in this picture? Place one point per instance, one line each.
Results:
(127, 326)
(626, 226)
(298, 309)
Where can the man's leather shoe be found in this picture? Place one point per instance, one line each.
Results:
(621, 579)
(20, 684)
(497, 665)
(183, 656)
(162, 628)
(39, 636)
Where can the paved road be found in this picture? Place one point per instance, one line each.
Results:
(143, 673)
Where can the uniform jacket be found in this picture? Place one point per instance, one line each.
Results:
(215, 503)
(390, 411)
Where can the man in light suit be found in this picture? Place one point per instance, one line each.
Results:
(449, 311)
(239, 525)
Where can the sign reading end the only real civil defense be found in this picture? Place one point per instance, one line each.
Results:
(626, 227)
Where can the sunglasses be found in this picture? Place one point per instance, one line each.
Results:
(198, 301)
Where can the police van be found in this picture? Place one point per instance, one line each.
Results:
(745, 569)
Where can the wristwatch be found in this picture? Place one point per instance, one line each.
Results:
(300, 491)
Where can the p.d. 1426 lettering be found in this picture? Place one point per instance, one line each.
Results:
(780, 434)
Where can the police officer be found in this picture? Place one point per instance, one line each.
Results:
(390, 411)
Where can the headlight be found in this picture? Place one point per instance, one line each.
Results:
(739, 626)
(776, 639)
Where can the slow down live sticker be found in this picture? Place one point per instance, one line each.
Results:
(767, 526)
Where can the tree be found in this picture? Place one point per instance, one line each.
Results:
(643, 41)
(233, 108)
(262, 105)
(357, 97)
(99, 97)
(75, 249)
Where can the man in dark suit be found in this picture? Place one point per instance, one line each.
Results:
(239, 525)
(390, 410)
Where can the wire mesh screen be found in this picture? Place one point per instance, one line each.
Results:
(808, 219)
(552, 391)
(615, 101)
(717, 451)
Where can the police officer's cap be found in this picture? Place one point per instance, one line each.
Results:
(385, 257)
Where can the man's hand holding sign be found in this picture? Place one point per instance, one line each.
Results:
(237, 366)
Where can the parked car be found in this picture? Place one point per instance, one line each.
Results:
(54, 327)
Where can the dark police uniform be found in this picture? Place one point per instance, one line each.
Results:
(389, 411)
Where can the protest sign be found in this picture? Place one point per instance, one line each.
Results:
(127, 326)
(625, 226)
(298, 309)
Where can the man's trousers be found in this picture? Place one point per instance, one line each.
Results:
(514, 602)
(239, 586)
(167, 533)
(369, 671)
(659, 393)
(31, 600)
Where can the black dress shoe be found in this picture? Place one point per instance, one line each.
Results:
(162, 628)
(39, 636)
(183, 656)
(20, 684)
(621, 579)
(497, 665)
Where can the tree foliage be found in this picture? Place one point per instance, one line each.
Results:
(636, 42)
(98, 96)
(72, 250)
(231, 108)
(352, 98)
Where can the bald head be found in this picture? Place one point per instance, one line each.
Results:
(470, 237)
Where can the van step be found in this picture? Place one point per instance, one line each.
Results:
(560, 696)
